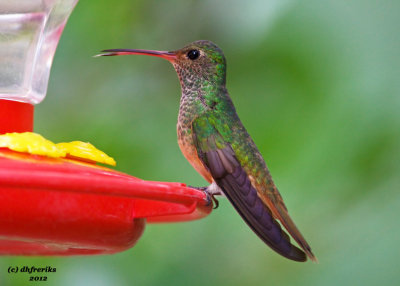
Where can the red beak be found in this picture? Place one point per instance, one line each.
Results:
(170, 56)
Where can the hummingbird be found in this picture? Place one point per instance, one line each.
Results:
(215, 142)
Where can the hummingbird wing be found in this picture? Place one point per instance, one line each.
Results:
(218, 156)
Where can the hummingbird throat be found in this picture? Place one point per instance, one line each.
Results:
(201, 88)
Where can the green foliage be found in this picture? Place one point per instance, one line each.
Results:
(316, 85)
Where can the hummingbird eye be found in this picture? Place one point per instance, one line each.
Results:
(193, 54)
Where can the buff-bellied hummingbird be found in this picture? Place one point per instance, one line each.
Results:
(214, 140)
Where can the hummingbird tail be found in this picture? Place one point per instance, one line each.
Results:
(236, 185)
(251, 208)
(291, 227)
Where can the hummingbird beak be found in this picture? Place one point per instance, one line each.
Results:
(170, 56)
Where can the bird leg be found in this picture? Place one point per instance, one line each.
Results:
(211, 191)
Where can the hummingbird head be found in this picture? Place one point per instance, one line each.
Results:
(197, 64)
(200, 62)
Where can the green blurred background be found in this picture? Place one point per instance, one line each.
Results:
(317, 85)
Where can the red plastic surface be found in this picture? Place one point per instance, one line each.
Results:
(15, 116)
(63, 207)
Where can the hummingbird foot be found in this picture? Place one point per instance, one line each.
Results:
(211, 198)
(215, 201)
(211, 191)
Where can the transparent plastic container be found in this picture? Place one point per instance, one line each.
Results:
(29, 34)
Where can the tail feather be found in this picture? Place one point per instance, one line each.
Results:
(237, 187)
(291, 227)
(279, 210)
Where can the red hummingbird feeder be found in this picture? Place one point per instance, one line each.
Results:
(66, 205)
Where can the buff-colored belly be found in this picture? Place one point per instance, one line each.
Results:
(188, 149)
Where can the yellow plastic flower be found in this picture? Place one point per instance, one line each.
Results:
(32, 143)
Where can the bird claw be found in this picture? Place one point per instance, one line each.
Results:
(210, 197)
(215, 201)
